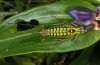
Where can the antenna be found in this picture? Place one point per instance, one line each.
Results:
(55, 17)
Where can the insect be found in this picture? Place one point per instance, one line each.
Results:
(59, 31)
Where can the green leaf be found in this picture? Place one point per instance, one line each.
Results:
(94, 1)
(13, 42)
(89, 56)
(23, 61)
(84, 58)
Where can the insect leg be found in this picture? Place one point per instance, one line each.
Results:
(73, 23)
(75, 38)
(63, 23)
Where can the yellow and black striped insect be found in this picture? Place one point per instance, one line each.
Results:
(62, 31)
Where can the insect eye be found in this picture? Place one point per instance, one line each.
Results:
(72, 30)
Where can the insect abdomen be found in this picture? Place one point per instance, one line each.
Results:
(57, 31)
